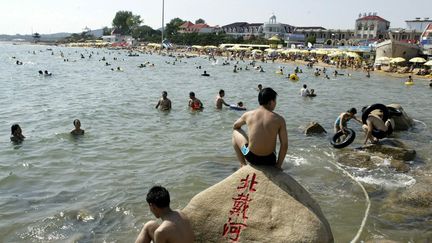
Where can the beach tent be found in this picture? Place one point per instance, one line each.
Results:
(417, 60)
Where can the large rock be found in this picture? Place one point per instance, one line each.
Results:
(419, 195)
(391, 151)
(356, 159)
(403, 122)
(314, 128)
(257, 204)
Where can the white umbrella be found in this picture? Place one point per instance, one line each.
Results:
(417, 60)
(383, 59)
(397, 60)
(429, 63)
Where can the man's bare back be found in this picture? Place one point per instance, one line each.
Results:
(175, 228)
(264, 126)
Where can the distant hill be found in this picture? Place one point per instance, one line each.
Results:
(46, 37)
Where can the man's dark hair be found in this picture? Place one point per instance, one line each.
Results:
(221, 91)
(266, 95)
(14, 127)
(353, 110)
(158, 196)
(304, 86)
(164, 93)
(192, 94)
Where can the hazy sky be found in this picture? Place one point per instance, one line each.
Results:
(52, 16)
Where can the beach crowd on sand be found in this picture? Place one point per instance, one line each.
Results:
(257, 146)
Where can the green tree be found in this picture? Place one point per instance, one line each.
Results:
(36, 37)
(200, 21)
(311, 39)
(171, 29)
(106, 31)
(126, 22)
(146, 32)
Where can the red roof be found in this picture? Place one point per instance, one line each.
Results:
(372, 18)
(186, 24)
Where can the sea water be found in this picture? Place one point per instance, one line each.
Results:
(54, 187)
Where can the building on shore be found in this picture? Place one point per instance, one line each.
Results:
(273, 28)
(189, 27)
(243, 29)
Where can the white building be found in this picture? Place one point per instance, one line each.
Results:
(371, 27)
(273, 28)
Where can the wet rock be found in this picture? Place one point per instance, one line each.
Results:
(255, 200)
(399, 166)
(314, 128)
(391, 151)
(419, 195)
(402, 122)
(356, 159)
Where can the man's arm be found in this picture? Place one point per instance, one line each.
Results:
(223, 102)
(169, 104)
(157, 106)
(358, 119)
(369, 131)
(240, 122)
(283, 139)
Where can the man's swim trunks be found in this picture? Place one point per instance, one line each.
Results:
(256, 159)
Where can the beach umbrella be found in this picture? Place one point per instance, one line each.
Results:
(270, 50)
(210, 47)
(256, 51)
(417, 60)
(383, 59)
(352, 54)
(429, 63)
(397, 60)
(274, 38)
(321, 52)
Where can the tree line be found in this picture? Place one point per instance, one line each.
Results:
(127, 23)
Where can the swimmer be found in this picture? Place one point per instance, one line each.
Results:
(410, 79)
(164, 104)
(175, 226)
(16, 134)
(312, 93)
(261, 69)
(46, 73)
(219, 100)
(375, 122)
(119, 69)
(194, 103)
(41, 72)
(368, 74)
(304, 91)
(77, 130)
(205, 74)
(259, 88)
(430, 84)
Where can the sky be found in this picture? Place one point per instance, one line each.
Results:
(53, 16)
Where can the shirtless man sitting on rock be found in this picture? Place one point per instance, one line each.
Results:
(175, 227)
(264, 127)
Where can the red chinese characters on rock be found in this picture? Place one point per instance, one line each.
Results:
(238, 213)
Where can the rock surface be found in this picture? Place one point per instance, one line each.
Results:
(314, 128)
(391, 151)
(257, 204)
(403, 122)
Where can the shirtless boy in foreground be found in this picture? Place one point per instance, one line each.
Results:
(175, 227)
(264, 126)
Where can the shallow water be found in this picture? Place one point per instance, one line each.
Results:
(55, 187)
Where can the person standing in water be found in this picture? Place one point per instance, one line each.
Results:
(264, 126)
(194, 103)
(164, 104)
(16, 134)
(219, 100)
(77, 130)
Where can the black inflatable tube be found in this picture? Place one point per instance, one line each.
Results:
(381, 107)
(394, 112)
(348, 140)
